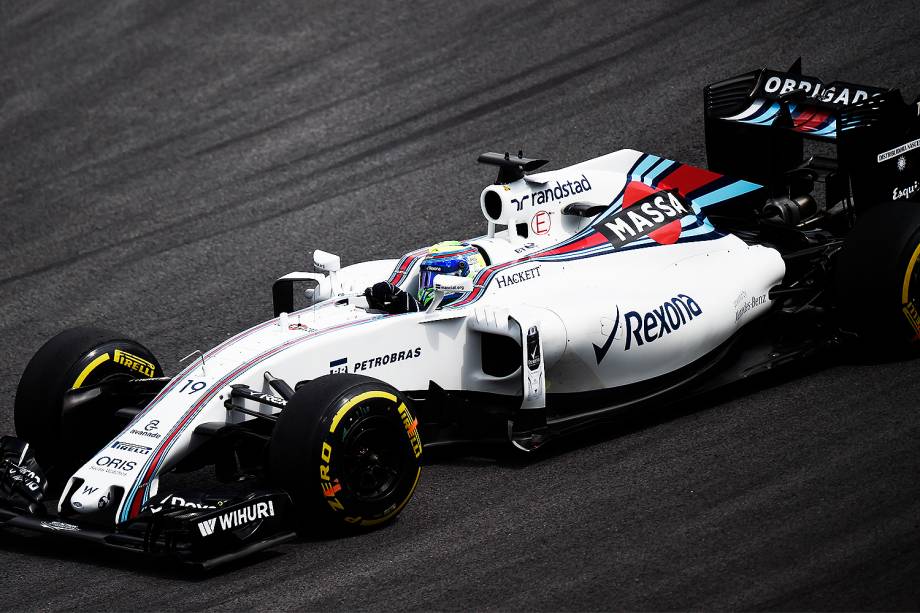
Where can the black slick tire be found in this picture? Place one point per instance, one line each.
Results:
(878, 280)
(74, 358)
(347, 450)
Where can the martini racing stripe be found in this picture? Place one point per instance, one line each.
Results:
(767, 117)
(138, 494)
(706, 188)
(401, 272)
(210, 353)
(727, 192)
(805, 119)
(755, 108)
(830, 131)
(654, 170)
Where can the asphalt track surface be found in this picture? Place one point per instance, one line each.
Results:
(161, 163)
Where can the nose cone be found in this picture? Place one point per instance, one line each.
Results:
(90, 499)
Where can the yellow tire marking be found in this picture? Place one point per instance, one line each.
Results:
(380, 520)
(90, 368)
(910, 270)
(357, 399)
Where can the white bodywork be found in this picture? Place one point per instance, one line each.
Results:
(607, 315)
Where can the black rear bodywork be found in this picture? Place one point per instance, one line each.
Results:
(871, 133)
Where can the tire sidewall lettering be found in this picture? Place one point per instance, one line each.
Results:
(332, 484)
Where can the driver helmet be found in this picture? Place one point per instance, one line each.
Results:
(447, 258)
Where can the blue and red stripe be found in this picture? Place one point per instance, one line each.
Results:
(138, 494)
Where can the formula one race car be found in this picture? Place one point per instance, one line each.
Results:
(628, 280)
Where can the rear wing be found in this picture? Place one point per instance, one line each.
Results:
(758, 124)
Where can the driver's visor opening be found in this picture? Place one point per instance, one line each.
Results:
(426, 278)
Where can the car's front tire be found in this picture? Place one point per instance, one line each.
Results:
(75, 358)
(347, 450)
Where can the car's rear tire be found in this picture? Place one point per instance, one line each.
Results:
(347, 450)
(74, 358)
(878, 279)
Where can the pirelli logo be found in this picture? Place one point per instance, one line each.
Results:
(123, 446)
(129, 360)
(910, 311)
(411, 426)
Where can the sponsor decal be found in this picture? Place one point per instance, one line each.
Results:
(176, 501)
(144, 433)
(743, 304)
(562, 190)
(899, 150)
(236, 519)
(838, 92)
(150, 430)
(902, 163)
(389, 358)
(533, 348)
(133, 362)
(453, 284)
(909, 306)
(525, 247)
(411, 429)
(648, 327)
(123, 446)
(87, 490)
(113, 466)
(60, 525)
(904, 193)
(600, 352)
(340, 365)
(271, 399)
(330, 488)
(518, 277)
(656, 215)
(913, 316)
(300, 326)
(540, 223)
(25, 477)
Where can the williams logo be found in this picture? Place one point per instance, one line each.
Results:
(656, 215)
(669, 317)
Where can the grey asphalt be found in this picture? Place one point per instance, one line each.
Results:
(162, 162)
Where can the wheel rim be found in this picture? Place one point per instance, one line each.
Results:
(374, 458)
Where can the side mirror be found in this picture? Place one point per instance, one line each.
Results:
(448, 284)
(326, 262)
